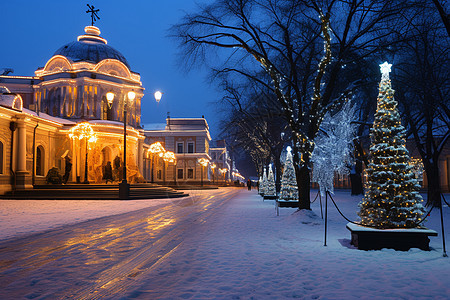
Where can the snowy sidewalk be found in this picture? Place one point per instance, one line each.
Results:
(247, 252)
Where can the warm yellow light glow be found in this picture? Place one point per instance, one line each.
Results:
(156, 148)
(83, 131)
(169, 156)
(213, 166)
(158, 96)
(131, 95)
(110, 97)
(203, 161)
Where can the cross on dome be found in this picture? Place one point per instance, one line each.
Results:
(385, 70)
(93, 12)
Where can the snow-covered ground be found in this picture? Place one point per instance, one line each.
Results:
(245, 251)
(22, 217)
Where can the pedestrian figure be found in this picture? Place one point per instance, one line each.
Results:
(249, 184)
(107, 172)
(67, 169)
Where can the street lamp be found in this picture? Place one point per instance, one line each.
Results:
(158, 96)
(84, 131)
(124, 186)
(156, 148)
(110, 98)
(168, 157)
(203, 162)
(213, 167)
(223, 171)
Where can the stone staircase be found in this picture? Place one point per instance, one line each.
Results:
(93, 192)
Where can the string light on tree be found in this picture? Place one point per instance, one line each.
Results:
(270, 190)
(392, 199)
(289, 189)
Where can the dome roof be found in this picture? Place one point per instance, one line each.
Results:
(90, 47)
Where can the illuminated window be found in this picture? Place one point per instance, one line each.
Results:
(159, 174)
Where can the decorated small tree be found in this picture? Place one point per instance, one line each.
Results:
(270, 191)
(289, 189)
(260, 186)
(392, 199)
(332, 153)
(263, 185)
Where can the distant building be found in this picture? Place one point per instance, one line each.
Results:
(189, 139)
(221, 158)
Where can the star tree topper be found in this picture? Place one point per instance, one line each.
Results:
(385, 70)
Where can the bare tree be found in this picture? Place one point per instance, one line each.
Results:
(257, 125)
(302, 54)
(423, 89)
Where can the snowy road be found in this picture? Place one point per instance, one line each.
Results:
(98, 259)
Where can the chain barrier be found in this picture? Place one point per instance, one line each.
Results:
(315, 198)
(371, 226)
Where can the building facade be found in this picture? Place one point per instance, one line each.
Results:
(85, 81)
(189, 139)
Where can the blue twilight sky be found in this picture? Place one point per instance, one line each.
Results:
(31, 31)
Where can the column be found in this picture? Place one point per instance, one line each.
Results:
(21, 158)
(140, 155)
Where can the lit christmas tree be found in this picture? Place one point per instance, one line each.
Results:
(260, 186)
(263, 184)
(392, 199)
(270, 190)
(289, 189)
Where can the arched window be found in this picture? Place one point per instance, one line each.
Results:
(2, 156)
(40, 161)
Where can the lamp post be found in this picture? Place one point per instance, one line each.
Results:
(124, 186)
(156, 148)
(203, 162)
(213, 167)
(80, 132)
(223, 171)
(168, 157)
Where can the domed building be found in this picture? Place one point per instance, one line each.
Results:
(75, 80)
(85, 81)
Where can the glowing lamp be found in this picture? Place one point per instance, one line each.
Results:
(131, 95)
(158, 96)
(110, 98)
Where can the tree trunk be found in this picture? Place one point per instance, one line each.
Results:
(434, 184)
(278, 173)
(303, 183)
(303, 178)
